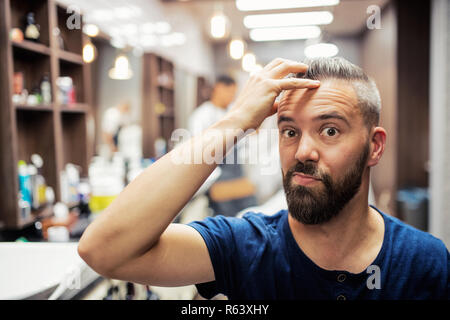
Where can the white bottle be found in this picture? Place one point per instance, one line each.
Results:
(46, 91)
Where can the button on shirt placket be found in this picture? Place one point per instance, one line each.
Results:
(341, 279)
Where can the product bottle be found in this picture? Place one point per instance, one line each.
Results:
(57, 34)
(32, 173)
(46, 90)
(32, 29)
(39, 185)
(73, 179)
(24, 182)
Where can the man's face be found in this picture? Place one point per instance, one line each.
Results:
(227, 92)
(324, 148)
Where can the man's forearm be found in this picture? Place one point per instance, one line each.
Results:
(133, 223)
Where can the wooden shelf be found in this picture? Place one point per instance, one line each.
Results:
(19, 10)
(73, 134)
(204, 89)
(167, 87)
(168, 113)
(58, 133)
(158, 75)
(74, 108)
(32, 47)
(74, 70)
(39, 107)
(70, 57)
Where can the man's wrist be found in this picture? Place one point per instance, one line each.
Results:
(232, 122)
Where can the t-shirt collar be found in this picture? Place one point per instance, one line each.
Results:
(300, 258)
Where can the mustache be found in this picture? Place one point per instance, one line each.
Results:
(309, 168)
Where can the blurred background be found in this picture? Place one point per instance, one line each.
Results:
(91, 92)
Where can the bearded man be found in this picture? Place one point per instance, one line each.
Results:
(329, 244)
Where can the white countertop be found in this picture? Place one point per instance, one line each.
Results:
(28, 268)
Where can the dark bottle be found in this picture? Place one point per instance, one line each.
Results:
(32, 29)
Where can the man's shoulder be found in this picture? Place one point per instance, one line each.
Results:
(206, 106)
(112, 111)
(250, 222)
(269, 220)
(204, 115)
(407, 239)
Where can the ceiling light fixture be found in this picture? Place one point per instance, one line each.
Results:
(219, 23)
(236, 49)
(255, 5)
(121, 69)
(91, 30)
(89, 52)
(321, 50)
(218, 26)
(173, 39)
(162, 27)
(285, 33)
(288, 19)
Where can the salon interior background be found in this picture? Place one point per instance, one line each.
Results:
(407, 55)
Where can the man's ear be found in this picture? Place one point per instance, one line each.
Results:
(377, 143)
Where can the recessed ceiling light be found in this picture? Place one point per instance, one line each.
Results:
(148, 27)
(121, 69)
(91, 30)
(118, 43)
(218, 26)
(285, 33)
(321, 50)
(100, 15)
(254, 5)
(288, 19)
(89, 53)
(162, 27)
(236, 49)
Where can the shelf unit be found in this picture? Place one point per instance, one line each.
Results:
(204, 89)
(57, 132)
(158, 102)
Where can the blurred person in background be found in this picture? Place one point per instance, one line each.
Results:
(215, 108)
(114, 119)
(232, 192)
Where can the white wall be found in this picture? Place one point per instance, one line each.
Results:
(112, 92)
(440, 120)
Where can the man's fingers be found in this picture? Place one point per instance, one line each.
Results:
(272, 64)
(296, 83)
(274, 108)
(287, 67)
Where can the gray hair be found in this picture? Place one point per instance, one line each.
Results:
(366, 90)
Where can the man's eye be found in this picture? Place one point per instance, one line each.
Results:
(289, 133)
(330, 132)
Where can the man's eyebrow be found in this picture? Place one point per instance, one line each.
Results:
(331, 115)
(284, 118)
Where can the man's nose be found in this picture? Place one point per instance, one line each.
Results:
(306, 150)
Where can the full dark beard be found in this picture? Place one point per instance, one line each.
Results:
(315, 207)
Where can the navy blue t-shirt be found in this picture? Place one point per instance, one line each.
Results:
(257, 257)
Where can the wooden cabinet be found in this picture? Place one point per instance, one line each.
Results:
(57, 131)
(158, 103)
(204, 90)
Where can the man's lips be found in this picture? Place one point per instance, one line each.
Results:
(303, 179)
